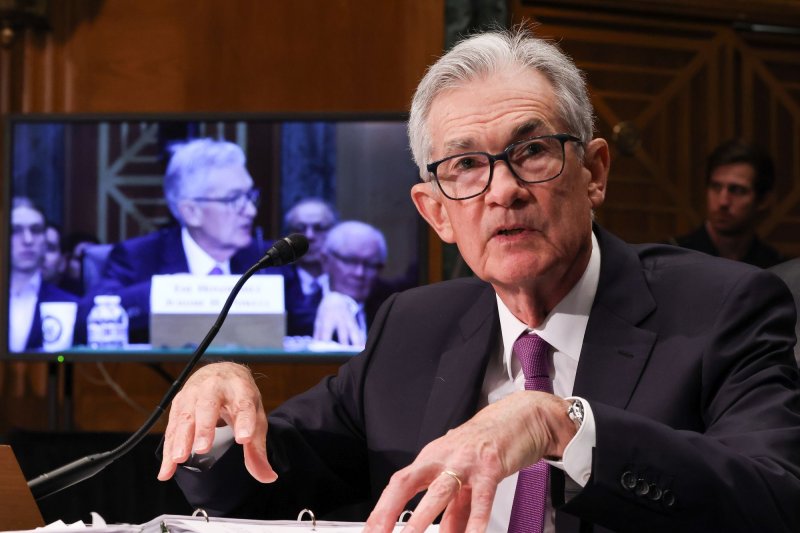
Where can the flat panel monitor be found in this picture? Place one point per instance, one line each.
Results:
(95, 205)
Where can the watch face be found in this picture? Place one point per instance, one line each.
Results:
(575, 411)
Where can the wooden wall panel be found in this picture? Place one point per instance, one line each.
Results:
(686, 79)
(208, 55)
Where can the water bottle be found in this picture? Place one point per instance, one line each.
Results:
(107, 323)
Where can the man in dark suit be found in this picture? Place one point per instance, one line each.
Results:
(353, 255)
(739, 183)
(27, 290)
(211, 195)
(28, 248)
(306, 281)
(657, 382)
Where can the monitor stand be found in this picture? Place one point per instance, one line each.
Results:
(18, 510)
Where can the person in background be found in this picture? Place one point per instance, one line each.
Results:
(74, 246)
(578, 383)
(739, 183)
(211, 194)
(353, 255)
(27, 289)
(55, 262)
(305, 281)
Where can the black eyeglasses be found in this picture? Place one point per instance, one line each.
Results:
(236, 201)
(534, 160)
(316, 227)
(354, 262)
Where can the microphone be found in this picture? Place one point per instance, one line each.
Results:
(283, 252)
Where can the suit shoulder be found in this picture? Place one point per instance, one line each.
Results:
(51, 293)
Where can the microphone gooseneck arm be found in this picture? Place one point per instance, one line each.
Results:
(283, 252)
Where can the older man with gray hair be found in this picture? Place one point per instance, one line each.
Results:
(211, 195)
(353, 255)
(577, 384)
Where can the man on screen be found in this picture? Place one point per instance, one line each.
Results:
(658, 383)
(27, 286)
(211, 195)
(306, 281)
(353, 255)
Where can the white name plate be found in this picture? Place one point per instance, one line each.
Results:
(182, 294)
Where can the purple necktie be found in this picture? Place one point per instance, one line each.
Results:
(527, 514)
(216, 271)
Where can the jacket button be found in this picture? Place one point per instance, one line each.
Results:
(654, 493)
(642, 488)
(668, 498)
(628, 480)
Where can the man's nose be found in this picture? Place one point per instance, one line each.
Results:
(505, 188)
(250, 209)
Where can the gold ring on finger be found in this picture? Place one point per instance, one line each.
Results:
(454, 476)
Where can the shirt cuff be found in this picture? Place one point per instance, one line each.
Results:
(577, 459)
(223, 439)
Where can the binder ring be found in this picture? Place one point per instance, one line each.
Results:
(311, 514)
(201, 513)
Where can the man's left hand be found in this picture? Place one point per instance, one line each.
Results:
(462, 469)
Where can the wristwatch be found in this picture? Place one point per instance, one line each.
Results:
(575, 412)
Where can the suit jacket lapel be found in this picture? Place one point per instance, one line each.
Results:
(615, 349)
(459, 376)
(172, 253)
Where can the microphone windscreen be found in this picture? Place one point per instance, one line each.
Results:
(291, 248)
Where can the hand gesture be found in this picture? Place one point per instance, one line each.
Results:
(217, 394)
(462, 469)
(337, 314)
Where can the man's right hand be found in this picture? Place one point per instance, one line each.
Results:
(217, 394)
(336, 315)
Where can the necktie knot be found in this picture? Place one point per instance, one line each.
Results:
(216, 271)
(532, 352)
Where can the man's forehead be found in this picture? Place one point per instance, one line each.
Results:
(741, 173)
(516, 130)
(26, 215)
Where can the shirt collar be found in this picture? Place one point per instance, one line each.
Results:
(200, 263)
(31, 286)
(565, 326)
(307, 280)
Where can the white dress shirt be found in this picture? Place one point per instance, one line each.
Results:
(200, 263)
(22, 307)
(563, 329)
(307, 281)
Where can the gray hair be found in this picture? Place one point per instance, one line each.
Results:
(485, 54)
(291, 214)
(188, 167)
(347, 230)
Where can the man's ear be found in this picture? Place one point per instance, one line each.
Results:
(428, 201)
(597, 160)
(190, 213)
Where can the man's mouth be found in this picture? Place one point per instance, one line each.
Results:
(510, 231)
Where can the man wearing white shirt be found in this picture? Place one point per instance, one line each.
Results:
(353, 255)
(673, 400)
(211, 194)
(306, 281)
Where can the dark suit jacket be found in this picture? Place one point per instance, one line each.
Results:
(760, 253)
(686, 363)
(48, 293)
(132, 263)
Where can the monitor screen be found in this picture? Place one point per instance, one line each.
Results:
(125, 234)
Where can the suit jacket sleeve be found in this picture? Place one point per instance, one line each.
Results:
(736, 467)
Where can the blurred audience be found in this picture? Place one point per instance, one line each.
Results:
(54, 263)
(739, 183)
(27, 289)
(306, 281)
(353, 255)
